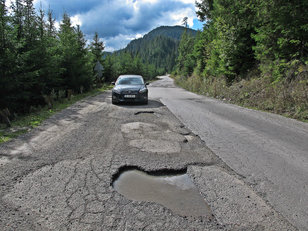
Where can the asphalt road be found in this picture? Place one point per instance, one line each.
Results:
(269, 151)
(60, 175)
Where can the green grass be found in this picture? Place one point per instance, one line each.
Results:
(7, 136)
(24, 123)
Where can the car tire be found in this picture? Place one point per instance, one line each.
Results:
(113, 102)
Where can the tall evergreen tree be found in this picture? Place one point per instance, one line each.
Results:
(36, 60)
(49, 71)
(68, 49)
(97, 48)
(6, 57)
(75, 63)
(85, 62)
(185, 62)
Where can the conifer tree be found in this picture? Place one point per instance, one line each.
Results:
(97, 48)
(5, 57)
(185, 59)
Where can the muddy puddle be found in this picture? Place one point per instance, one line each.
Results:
(176, 192)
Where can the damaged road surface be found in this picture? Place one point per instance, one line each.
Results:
(97, 166)
(176, 192)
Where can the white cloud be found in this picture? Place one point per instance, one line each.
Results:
(75, 20)
(178, 16)
(187, 1)
(57, 25)
(119, 21)
(118, 42)
(138, 36)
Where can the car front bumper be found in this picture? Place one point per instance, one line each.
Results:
(138, 98)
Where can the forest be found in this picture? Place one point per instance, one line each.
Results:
(253, 53)
(40, 64)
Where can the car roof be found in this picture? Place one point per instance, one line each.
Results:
(130, 76)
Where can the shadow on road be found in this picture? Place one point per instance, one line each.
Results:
(151, 104)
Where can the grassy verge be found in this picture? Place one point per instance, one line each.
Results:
(23, 124)
(287, 98)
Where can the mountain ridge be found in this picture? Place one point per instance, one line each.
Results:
(159, 47)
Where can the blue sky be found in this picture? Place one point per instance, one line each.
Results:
(120, 21)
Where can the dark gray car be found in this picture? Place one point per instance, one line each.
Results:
(130, 88)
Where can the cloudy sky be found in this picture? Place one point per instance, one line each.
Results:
(120, 21)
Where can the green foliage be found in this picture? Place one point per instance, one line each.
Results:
(7, 136)
(125, 63)
(240, 36)
(97, 48)
(37, 62)
(75, 63)
(205, 8)
(185, 59)
(233, 24)
(253, 53)
(282, 35)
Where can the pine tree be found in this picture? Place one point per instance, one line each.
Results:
(185, 62)
(76, 62)
(97, 48)
(5, 57)
(68, 49)
(49, 69)
(84, 60)
(36, 61)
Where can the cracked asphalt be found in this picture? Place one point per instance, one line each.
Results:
(59, 176)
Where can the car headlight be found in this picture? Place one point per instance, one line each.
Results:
(143, 90)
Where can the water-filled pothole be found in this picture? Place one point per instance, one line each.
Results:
(176, 192)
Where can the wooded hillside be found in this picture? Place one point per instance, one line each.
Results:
(159, 47)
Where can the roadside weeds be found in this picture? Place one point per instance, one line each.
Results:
(286, 98)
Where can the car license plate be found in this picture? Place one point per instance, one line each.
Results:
(130, 96)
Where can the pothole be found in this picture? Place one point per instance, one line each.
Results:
(188, 139)
(138, 126)
(144, 112)
(185, 133)
(175, 191)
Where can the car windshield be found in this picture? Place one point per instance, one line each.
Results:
(130, 81)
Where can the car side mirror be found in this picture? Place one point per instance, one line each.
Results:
(113, 83)
(147, 83)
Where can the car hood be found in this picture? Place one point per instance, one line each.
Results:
(128, 87)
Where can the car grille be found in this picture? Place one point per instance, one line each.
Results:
(129, 92)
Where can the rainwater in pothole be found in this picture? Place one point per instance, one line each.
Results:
(176, 192)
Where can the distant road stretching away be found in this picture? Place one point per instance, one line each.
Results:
(269, 151)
